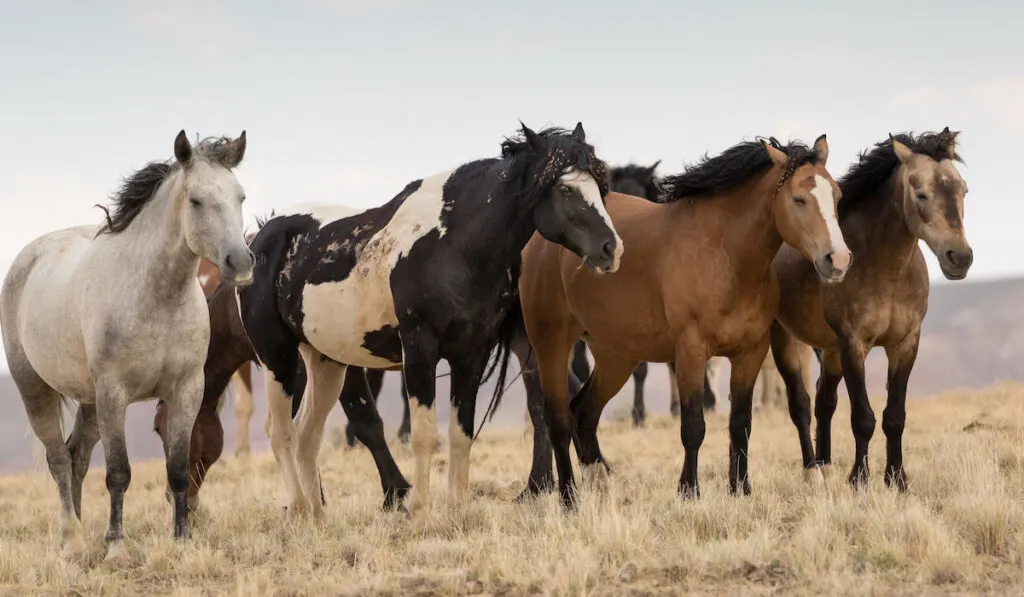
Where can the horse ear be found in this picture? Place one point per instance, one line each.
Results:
(653, 167)
(183, 149)
(532, 138)
(821, 149)
(578, 134)
(902, 151)
(235, 151)
(778, 156)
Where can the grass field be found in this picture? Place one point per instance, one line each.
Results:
(959, 530)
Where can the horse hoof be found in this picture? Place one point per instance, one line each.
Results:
(897, 479)
(814, 477)
(73, 547)
(117, 554)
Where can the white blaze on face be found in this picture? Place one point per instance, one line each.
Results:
(587, 186)
(822, 192)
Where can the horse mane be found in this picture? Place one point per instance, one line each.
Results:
(138, 189)
(262, 221)
(875, 165)
(642, 175)
(534, 172)
(730, 168)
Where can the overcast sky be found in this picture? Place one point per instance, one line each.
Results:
(346, 101)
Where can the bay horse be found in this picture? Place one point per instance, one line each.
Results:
(76, 329)
(696, 282)
(430, 274)
(904, 190)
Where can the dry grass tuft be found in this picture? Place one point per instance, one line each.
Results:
(959, 530)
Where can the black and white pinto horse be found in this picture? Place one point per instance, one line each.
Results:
(431, 274)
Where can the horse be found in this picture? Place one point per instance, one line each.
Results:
(76, 329)
(696, 282)
(905, 189)
(430, 274)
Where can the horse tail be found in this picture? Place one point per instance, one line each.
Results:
(510, 328)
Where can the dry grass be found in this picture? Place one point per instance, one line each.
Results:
(958, 531)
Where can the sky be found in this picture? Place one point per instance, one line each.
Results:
(346, 101)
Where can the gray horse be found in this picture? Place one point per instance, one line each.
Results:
(75, 328)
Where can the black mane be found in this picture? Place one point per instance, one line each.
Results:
(731, 168)
(875, 166)
(534, 172)
(642, 175)
(138, 189)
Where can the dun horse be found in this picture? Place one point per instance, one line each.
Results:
(76, 328)
(696, 281)
(431, 274)
(904, 190)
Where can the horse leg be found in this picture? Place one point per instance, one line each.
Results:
(207, 444)
(404, 428)
(639, 410)
(690, 366)
(368, 428)
(709, 391)
(111, 403)
(80, 444)
(542, 477)
(466, 374)
(183, 406)
(242, 381)
(324, 380)
(43, 407)
(901, 361)
(673, 390)
(611, 371)
(825, 401)
(420, 356)
(745, 369)
(786, 352)
(862, 418)
(714, 371)
(579, 365)
(280, 375)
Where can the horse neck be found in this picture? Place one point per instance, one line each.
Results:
(155, 243)
(877, 227)
(749, 233)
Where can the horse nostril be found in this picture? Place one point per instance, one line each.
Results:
(227, 261)
(608, 248)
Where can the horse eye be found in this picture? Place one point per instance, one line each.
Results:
(565, 189)
(800, 200)
(922, 197)
(194, 201)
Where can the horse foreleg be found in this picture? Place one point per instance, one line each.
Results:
(466, 374)
(901, 361)
(111, 403)
(81, 442)
(862, 418)
(826, 399)
(542, 477)
(745, 369)
(324, 380)
(182, 409)
(611, 371)
(242, 382)
(420, 367)
(786, 354)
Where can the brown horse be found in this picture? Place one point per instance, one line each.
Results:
(695, 281)
(904, 190)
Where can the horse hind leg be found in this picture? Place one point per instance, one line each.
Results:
(83, 439)
(325, 379)
(639, 408)
(43, 407)
(786, 354)
(242, 382)
(610, 373)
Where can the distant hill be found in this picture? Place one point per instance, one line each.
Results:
(973, 336)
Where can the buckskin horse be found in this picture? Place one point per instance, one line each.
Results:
(75, 328)
(903, 190)
(430, 274)
(696, 282)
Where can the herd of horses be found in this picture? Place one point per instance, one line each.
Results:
(757, 255)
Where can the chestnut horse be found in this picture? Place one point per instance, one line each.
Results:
(696, 282)
(904, 190)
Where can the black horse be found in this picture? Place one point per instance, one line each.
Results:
(431, 274)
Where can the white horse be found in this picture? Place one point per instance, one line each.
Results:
(74, 327)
